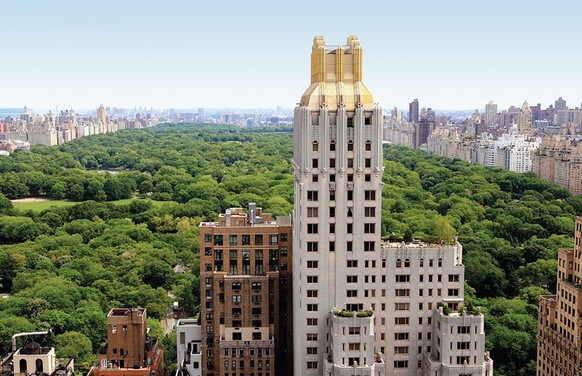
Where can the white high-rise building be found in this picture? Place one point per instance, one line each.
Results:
(361, 307)
(338, 195)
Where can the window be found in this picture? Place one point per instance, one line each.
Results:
(311, 365)
(332, 163)
(315, 146)
(462, 359)
(236, 285)
(312, 307)
(401, 306)
(312, 264)
(232, 240)
(311, 322)
(332, 246)
(312, 246)
(312, 336)
(312, 293)
(352, 263)
(369, 212)
(256, 298)
(401, 321)
(368, 145)
(400, 349)
(314, 163)
(207, 238)
(312, 350)
(453, 277)
(312, 212)
(354, 346)
(311, 279)
(370, 195)
(368, 162)
(332, 211)
(236, 299)
(350, 162)
(284, 251)
(352, 293)
(283, 237)
(352, 279)
(369, 228)
(349, 246)
(401, 364)
(401, 336)
(463, 329)
(312, 196)
(453, 292)
(402, 292)
(273, 239)
(114, 329)
(402, 278)
(217, 239)
(332, 228)
(350, 146)
(332, 146)
(256, 285)
(312, 228)
(354, 330)
(350, 195)
(349, 228)
(258, 239)
(236, 336)
(463, 345)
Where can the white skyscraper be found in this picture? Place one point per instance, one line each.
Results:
(361, 307)
(338, 193)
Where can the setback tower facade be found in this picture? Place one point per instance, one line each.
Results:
(338, 191)
(360, 306)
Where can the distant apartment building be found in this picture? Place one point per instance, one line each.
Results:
(559, 161)
(245, 278)
(511, 152)
(559, 320)
(399, 132)
(413, 111)
(55, 129)
(130, 350)
(490, 114)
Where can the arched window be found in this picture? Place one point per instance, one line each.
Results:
(23, 365)
(39, 366)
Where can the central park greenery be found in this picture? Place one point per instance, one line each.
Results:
(64, 267)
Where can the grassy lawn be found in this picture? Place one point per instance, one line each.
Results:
(41, 205)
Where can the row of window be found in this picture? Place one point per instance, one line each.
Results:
(406, 264)
(367, 145)
(273, 239)
(369, 195)
(246, 253)
(241, 352)
(252, 364)
(369, 246)
(315, 163)
(406, 292)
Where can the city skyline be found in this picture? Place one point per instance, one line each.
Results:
(190, 55)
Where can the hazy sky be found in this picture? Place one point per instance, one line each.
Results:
(189, 54)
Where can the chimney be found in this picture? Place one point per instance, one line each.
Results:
(252, 207)
(228, 217)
